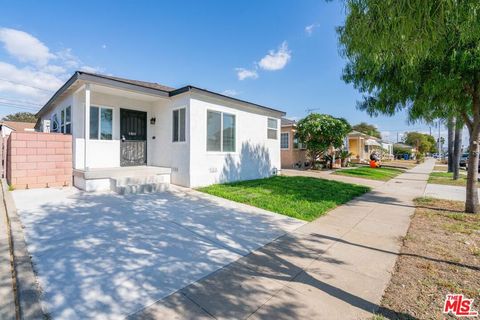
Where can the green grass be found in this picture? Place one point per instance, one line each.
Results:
(383, 174)
(303, 198)
(447, 178)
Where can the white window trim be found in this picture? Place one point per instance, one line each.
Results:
(54, 120)
(276, 129)
(221, 133)
(63, 127)
(173, 110)
(99, 122)
(288, 140)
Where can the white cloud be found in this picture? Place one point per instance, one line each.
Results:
(104, 46)
(231, 92)
(68, 58)
(243, 73)
(55, 69)
(386, 135)
(310, 28)
(276, 60)
(28, 82)
(25, 47)
(91, 69)
(39, 72)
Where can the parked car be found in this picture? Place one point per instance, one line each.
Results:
(466, 165)
(464, 160)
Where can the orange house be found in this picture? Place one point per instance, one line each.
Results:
(293, 154)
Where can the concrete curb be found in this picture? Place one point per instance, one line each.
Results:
(8, 297)
(28, 294)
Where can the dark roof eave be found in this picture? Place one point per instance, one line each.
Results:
(81, 75)
(62, 89)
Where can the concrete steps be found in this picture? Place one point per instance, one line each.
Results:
(123, 180)
(140, 183)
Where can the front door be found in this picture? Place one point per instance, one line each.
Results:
(133, 135)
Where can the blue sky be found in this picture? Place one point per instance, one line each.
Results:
(283, 54)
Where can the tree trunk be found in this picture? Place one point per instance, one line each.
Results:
(457, 149)
(471, 202)
(450, 124)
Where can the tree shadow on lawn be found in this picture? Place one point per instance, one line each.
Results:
(254, 161)
(301, 197)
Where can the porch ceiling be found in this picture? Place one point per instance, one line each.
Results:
(126, 93)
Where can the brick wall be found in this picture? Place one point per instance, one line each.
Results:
(39, 160)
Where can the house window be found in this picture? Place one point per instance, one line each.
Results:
(65, 120)
(228, 138)
(272, 131)
(284, 137)
(54, 123)
(62, 121)
(178, 134)
(101, 123)
(68, 120)
(221, 128)
(296, 142)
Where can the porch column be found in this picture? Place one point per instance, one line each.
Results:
(360, 151)
(87, 124)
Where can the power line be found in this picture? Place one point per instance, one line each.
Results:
(21, 101)
(7, 105)
(18, 104)
(26, 85)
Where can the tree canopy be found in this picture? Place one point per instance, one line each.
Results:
(424, 143)
(319, 132)
(366, 128)
(419, 56)
(21, 116)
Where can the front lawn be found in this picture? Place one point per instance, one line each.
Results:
(383, 174)
(447, 178)
(303, 198)
(440, 255)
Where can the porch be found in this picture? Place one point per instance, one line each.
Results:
(123, 180)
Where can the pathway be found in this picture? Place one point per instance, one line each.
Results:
(330, 176)
(440, 191)
(336, 267)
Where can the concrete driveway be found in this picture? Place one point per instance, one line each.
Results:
(106, 256)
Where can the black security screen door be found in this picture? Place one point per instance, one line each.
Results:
(133, 135)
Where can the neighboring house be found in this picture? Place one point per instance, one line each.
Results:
(408, 148)
(361, 145)
(294, 155)
(387, 150)
(195, 136)
(6, 127)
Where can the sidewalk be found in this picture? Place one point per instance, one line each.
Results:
(336, 267)
(440, 191)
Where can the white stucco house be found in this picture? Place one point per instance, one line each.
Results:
(125, 129)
